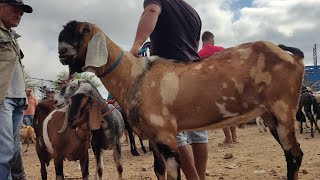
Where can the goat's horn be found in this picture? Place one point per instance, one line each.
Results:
(65, 122)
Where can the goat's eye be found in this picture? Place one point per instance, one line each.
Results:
(86, 30)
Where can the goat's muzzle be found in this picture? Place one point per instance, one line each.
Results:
(66, 53)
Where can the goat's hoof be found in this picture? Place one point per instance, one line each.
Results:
(135, 153)
(144, 150)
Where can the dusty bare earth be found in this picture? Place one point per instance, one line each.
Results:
(257, 156)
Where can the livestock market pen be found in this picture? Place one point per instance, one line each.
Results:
(312, 77)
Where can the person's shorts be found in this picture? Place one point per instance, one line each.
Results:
(190, 137)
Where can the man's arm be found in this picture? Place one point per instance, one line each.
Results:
(147, 23)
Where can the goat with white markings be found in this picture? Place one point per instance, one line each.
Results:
(111, 123)
(61, 101)
(72, 145)
(158, 94)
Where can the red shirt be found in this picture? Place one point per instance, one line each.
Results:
(209, 49)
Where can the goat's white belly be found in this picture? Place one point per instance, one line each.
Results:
(45, 132)
(45, 129)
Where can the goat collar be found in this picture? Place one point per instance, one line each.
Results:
(113, 66)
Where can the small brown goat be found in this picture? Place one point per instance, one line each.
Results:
(27, 134)
(72, 145)
(231, 87)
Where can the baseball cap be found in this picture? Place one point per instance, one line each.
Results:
(26, 8)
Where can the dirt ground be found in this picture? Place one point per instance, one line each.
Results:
(257, 156)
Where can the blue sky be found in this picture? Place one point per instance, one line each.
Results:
(237, 5)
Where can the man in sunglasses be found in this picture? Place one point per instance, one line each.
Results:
(29, 112)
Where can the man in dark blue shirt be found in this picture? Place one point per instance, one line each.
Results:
(174, 29)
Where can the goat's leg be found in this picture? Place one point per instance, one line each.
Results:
(301, 127)
(133, 147)
(44, 158)
(316, 125)
(58, 165)
(171, 158)
(312, 121)
(84, 163)
(142, 146)
(283, 131)
(43, 170)
(150, 146)
(258, 124)
(99, 161)
(167, 146)
(117, 158)
(159, 165)
(312, 132)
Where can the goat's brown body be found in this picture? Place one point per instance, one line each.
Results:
(201, 95)
(162, 97)
(51, 145)
(72, 144)
(229, 88)
(43, 109)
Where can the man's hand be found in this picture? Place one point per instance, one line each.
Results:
(135, 50)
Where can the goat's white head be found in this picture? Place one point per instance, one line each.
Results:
(82, 46)
(75, 86)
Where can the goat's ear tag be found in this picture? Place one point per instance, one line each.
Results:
(95, 116)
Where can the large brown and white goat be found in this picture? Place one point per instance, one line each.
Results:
(163, 97)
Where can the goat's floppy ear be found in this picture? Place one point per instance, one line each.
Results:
(97, 52)
(65, 121)
(95, 116)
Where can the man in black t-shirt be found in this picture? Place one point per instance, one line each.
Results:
(174, 29)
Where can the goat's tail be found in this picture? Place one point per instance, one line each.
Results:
(295, 51)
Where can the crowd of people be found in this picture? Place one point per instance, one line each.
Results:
(174, 29)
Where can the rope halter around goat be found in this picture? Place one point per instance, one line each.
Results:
(106, 104)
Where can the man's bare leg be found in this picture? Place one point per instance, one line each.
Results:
(200, 153)
(227, 134)
(187, 163)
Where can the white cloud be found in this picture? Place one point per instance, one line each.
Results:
(290, 22)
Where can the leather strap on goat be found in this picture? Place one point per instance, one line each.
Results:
(106, 104)
(113, 66)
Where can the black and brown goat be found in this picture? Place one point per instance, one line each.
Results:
(232, 87)
(308, 108)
